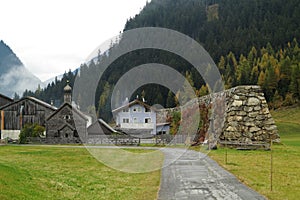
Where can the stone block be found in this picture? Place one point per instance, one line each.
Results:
(254, 129)
(236, 97)
(260, 117)
(237, 103)
(248, 109)
(241, 113)
(253, 114)
(249, 124)
(231, 129)
(257, 108)
(253, 101)
(271, 128)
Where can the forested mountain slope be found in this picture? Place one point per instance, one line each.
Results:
(252, 42)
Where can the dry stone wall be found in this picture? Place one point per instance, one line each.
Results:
(247, 117)
(243, 117)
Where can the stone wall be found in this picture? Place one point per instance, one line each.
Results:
(247, 116)
(38, 140)
(239, 115)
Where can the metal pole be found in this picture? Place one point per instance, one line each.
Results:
(226, 152)
(225, 149)
(271, 175)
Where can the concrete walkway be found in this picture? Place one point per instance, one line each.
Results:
(196, 176)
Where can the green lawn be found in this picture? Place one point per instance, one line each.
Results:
(43, 172)
(253, 167)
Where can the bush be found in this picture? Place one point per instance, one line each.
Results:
(30, 130)
(289, 100)
(175, 122)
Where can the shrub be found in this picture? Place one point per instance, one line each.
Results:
(30, 130)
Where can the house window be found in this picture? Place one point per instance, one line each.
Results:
(67, 117)
(135, 120)
(147, 109)
(147, 120)
(125, 110)
(125, 120)
(137, 109)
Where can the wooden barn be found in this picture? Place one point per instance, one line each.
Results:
(28, 110)
(4, 100)
(67, 124)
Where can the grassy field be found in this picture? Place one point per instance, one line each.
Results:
(43, 172)
(253, 167)
(28, 172)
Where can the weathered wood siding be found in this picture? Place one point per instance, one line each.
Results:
(32, 112)
(4, 100)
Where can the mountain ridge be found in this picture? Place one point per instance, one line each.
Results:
(15, 78)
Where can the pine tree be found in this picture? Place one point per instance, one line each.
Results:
(222, 65)
(295, 82)
(203, 91)
(285, 76)
(243, 74)
(170, 100)
(261, 78)
(254, 75)
(103, 108)
(16, 96)
(277, 100)
(270, 84)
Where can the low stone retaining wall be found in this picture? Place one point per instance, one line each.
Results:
(53, 140)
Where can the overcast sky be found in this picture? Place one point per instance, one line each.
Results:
(53, 36)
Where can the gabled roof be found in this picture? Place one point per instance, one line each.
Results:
(100, 127)
(136, 101)
(42, 103)
(102, 122)
(7, 98)
(38, 101)
(71, 107)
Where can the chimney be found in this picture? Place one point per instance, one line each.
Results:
(68, 93)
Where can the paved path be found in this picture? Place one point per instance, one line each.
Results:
(194, 176)
(191, 177)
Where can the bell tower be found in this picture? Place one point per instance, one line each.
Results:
(68, 93)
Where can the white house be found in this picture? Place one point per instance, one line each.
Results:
(138, 118)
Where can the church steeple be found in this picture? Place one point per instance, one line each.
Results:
(68, 93)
